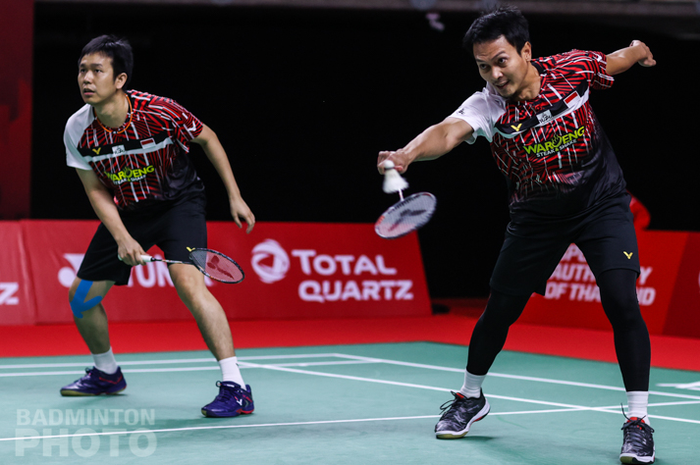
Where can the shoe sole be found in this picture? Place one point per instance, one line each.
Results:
(67, 393)
(631, 459)
(460, 434)
(208, 414)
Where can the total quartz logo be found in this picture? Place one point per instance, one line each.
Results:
(270, 261)
(329, 277)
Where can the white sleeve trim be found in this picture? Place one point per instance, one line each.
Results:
(75, 127)
(481, 111)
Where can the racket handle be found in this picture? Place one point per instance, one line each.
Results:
(147, 258)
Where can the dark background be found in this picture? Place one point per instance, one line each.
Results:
(303, 100)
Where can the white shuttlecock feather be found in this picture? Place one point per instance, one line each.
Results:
(393, 182)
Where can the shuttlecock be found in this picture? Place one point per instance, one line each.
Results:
(393, 182)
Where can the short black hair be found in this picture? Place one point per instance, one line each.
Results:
(506, 21)
(118, 49)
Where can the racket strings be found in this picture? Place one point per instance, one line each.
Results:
(216, 266)
(406, 216)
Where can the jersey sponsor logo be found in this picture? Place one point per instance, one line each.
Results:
(97, 150)
(129, 175)
(555, 144)
(545, 117)
(628, 255)
(516, 128)
(118, 150)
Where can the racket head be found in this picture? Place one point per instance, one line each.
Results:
(217, 266)
(406, 215)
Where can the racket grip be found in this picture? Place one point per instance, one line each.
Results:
(147, 258)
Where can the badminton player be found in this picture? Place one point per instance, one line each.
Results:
(130, 150)
(566, 186)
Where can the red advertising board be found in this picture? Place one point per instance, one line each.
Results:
(573, 299)
(293, 270)
(684, 310)
(312, 270)
(16, 298)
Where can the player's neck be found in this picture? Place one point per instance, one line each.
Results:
(531, 85)
(114, 111)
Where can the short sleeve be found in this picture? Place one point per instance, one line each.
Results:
(599, 64)
(71, 137)
(482, 110)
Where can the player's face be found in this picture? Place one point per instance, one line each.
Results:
(96, 79)
(503, 67)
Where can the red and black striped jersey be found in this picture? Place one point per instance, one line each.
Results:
(552, 150)
(144, 161)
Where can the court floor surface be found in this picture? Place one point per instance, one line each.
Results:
(344, 404)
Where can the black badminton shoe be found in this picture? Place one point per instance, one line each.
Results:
(638, 442)
(459, 414)
(94, 383)
(232, 401)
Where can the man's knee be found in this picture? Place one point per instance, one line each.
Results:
(188, 282)
(504, 309)
(77, 297)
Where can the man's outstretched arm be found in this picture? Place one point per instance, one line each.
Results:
(432, 143)
(623, 59)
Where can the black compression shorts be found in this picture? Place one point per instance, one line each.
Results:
(532, 251)
(173, 227)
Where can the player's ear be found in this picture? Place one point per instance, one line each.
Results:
(526, 51)
(120, 80)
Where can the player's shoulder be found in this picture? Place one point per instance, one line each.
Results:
(165, 106)
(573, 60)
(145, 99)
(488, 95)
(79, 121)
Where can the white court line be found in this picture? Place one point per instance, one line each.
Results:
(202, 428)
(168, 361)
(307, 423)
(176, 370)
(356, 358)
(518, 377)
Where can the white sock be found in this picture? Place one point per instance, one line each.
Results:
(637, 402)
(472, 384)
(106, 362)
(230, 371)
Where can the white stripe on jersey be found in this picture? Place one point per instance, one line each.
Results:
(141, 151)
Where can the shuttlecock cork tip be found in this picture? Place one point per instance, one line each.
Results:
(389, 165)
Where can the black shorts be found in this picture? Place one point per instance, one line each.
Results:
(173, 227)
(532, 251)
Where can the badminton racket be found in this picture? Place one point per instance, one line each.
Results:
(211, 263)
(406, 215)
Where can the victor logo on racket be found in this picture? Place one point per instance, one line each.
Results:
(406, 215)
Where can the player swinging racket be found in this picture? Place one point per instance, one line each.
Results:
(565, 186)
(130, 151)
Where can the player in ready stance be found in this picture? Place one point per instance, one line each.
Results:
(129, 149)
